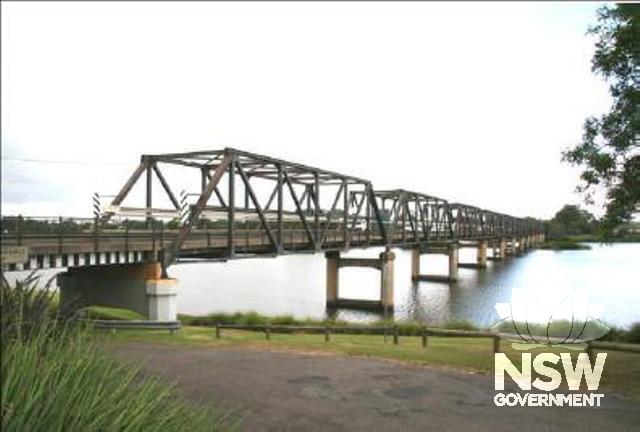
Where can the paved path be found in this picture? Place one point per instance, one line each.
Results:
(293, 391)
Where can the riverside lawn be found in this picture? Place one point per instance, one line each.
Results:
(472, 355)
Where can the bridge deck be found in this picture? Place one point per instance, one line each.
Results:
(200, 244)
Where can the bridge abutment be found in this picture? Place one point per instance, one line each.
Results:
(384, 263)
(138, 287)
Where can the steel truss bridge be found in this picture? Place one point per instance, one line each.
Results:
(251, 205)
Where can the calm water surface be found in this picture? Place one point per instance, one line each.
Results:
(296, 284)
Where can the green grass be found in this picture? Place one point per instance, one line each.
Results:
(110, 313)
(622, 370)
(56, 376)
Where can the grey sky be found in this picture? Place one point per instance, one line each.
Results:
(469, 102)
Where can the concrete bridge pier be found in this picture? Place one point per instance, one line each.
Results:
(514, 246)
(481, 256)
(499, 249)
(384, 263)
(451, 251)
(453, 262)
(138, 287)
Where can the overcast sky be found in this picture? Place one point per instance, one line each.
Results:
(471, 102)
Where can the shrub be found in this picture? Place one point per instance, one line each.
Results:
(56, 376)
(459, 325)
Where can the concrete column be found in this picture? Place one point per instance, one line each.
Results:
(514, 246)
(387, 259)
(138, 287)
(453, 262)
(481, 257)
(333, 259)
(162, 300)
(503, 249)
(415, 263)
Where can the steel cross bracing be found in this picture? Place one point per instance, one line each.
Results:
(250, 204)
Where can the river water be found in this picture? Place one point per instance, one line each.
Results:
(609, 274)
(295, 285)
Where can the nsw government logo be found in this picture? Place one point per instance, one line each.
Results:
(550, 336)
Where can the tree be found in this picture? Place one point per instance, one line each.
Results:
(610, 149)
(571, 220)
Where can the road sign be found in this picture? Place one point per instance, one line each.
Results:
(14, 254)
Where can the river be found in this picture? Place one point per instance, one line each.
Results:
(610, 274)
(295, 285)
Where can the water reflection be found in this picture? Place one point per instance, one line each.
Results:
(296, 285)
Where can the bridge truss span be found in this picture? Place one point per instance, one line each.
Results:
(247, 205)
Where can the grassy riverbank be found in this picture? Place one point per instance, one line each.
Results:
(254, 318)
(578, 242)
(470, 354)
(564, 244)
(615, 334)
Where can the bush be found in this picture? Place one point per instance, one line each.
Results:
(632, 335)
(25, 308)
(56, 376)
(459, 325)
(252, 318)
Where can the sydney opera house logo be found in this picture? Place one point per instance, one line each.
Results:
(531, 320)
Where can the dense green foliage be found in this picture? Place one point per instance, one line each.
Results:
(57, 377)
(572, 225)
(254, 318)
(632, 335)
(564, 244)
(609, 152)
(249, 318)
(571, 220)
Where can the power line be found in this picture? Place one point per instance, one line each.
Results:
(61, 162)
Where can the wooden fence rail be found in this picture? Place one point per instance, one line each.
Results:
(393, 331)
(113, 325)
(397, 331)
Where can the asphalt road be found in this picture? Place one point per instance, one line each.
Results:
(294, 391)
